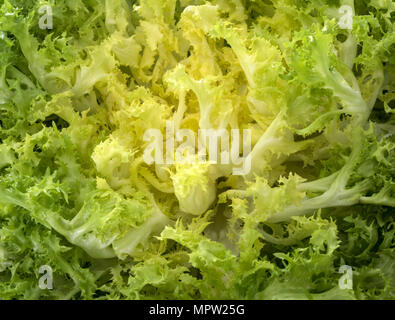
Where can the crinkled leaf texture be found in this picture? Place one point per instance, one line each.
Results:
(76, 194)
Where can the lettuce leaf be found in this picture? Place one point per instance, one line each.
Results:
(77, 195)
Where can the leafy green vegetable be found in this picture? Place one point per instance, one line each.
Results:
(76, 194)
